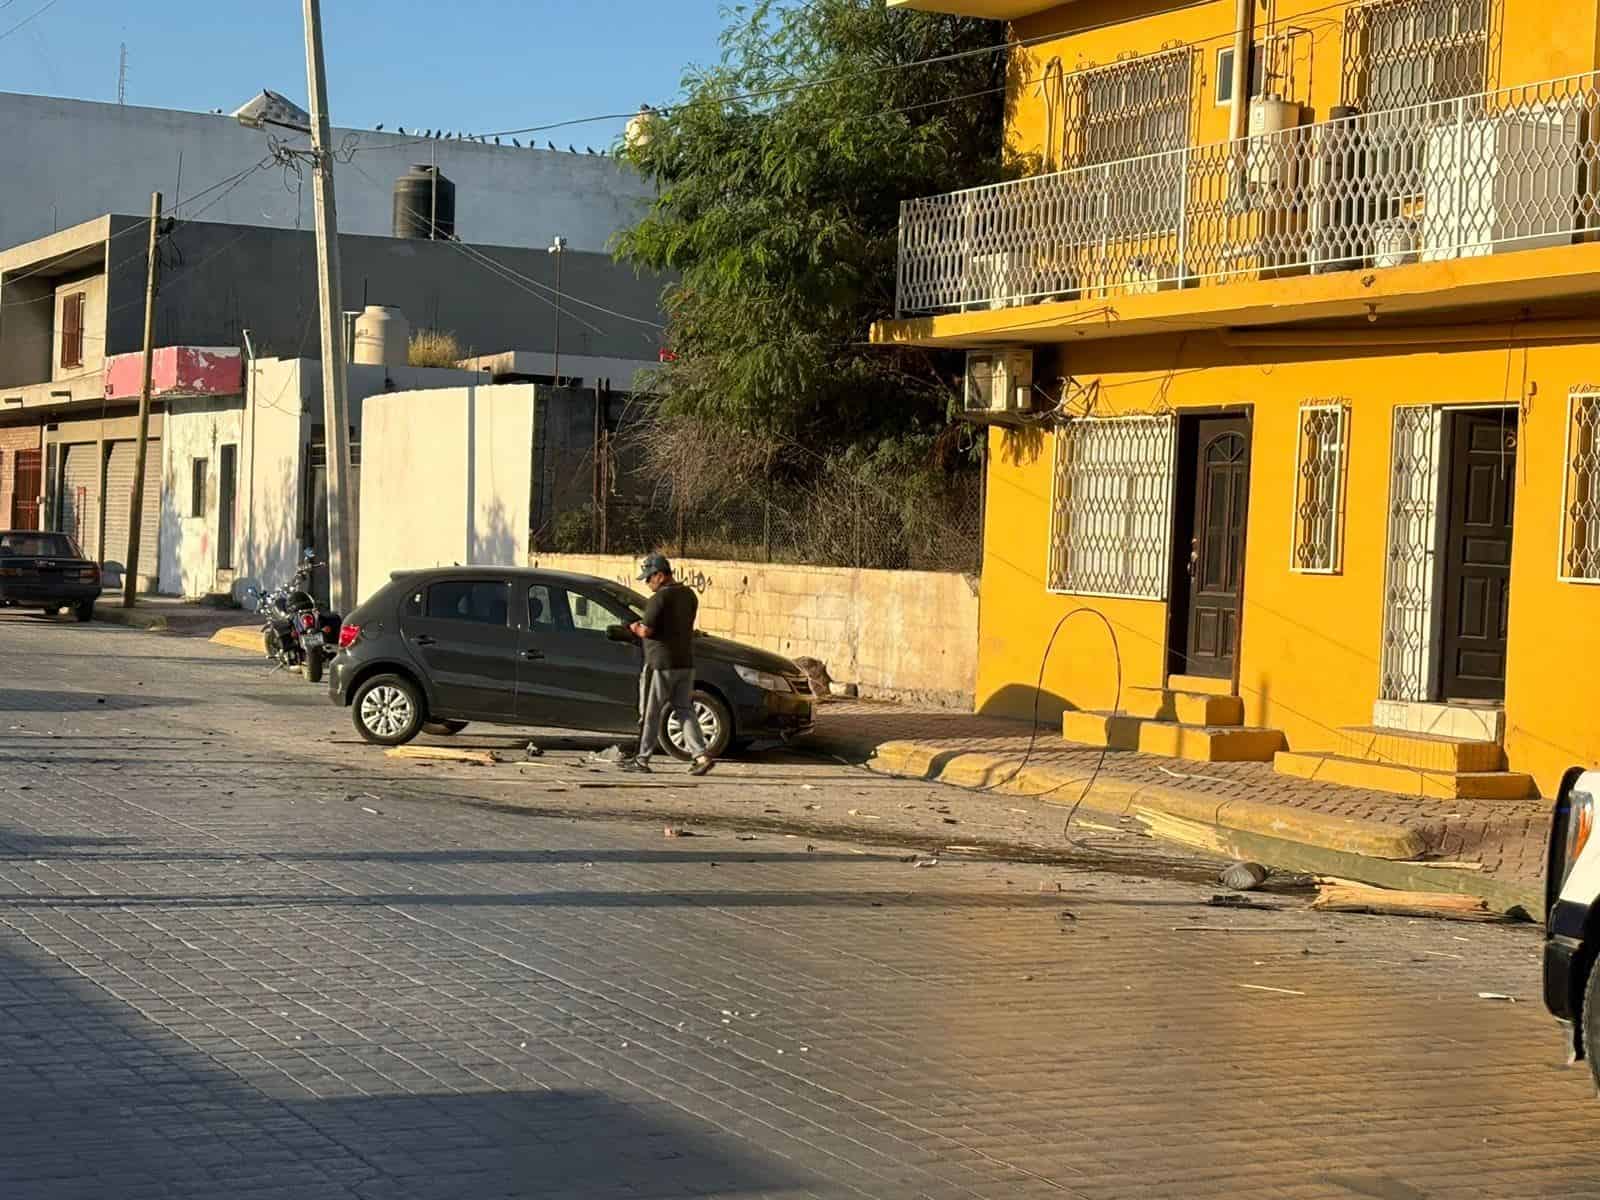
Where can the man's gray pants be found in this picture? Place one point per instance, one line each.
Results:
(663, 690)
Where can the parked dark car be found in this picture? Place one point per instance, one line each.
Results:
(436, 649)
(46, 571)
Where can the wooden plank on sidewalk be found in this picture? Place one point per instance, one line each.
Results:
(1345, 896)
(478, 758)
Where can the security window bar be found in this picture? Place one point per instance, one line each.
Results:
(1580, 498)
(1111, 508)
(1399, 53)
(1408, 633)
(1319, 500)
(1141, 106)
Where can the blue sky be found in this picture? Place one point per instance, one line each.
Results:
(453, 64)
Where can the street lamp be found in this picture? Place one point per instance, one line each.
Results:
(558, 248)
(269, 110)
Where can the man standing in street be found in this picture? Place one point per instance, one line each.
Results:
(667, 630)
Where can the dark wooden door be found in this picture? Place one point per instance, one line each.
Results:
(1215, 566)
(28, 480)
(1477, 554)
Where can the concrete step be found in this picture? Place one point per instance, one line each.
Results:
(1197, 743)
(1184, 708)
(1427, 751)
(1200, 683)
(1476, 722)
(1404, 780)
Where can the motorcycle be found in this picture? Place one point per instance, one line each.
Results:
(298, 635)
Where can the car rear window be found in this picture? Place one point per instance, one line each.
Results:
(38, 545)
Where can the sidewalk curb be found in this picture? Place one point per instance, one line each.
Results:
(1116, 797)
(239, 637)
(1289, 839)
(131, 617)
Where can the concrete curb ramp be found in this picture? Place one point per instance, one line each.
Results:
(133, 618)
(1118, 797)
(240, 637)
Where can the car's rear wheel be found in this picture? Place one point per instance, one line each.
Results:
(387, 710)
(84, 610)
(716, 728)
(443, 728)
(51, 610)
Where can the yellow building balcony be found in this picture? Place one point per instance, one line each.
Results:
(1409, 209)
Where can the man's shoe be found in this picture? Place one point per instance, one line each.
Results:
(635, 766)
(702, 765)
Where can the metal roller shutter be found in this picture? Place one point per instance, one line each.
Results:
(119, 503)
(80, 496)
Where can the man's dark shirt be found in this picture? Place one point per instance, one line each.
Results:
(670, 615)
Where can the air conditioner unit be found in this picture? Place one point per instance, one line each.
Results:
(999, 385)
(1509, 181)
(998, 279)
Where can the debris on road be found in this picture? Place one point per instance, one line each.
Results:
(1244, 876)
(672, 831)
(1349, 897)
(926, 862)
(1497, 996)
(534, 750)
(478, 758)
(610, 756)
(1261, 987)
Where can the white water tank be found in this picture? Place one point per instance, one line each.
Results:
(383, 337)
(1274, 150)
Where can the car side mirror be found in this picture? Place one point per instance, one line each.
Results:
(621, 633)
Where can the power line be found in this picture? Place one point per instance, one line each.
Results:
(889, 68)
(39, 12)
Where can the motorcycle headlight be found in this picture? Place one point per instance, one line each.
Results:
(764, 680)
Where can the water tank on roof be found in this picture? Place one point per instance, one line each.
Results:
(424, 205)
(383, 337)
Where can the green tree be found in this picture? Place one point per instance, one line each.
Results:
(780, 177)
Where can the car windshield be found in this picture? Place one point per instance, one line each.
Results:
(38, 545)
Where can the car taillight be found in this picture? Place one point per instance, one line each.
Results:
(89, 574)
(308, 621)
(348, 635)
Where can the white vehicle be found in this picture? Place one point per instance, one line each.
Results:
(1572, 916)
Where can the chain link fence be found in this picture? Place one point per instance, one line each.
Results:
(921, 523)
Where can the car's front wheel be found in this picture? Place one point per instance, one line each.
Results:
(1591, 1020)
(387, 710)
(716, 728)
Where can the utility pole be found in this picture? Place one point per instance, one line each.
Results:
(122, 76)
(335, 408)
(558, 248)
(130, 570)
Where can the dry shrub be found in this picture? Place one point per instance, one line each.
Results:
(434, 348)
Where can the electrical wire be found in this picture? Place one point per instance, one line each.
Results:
(842, 77)
(39, 12)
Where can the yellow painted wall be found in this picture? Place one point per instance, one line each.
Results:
(1527, 45)
(1311, 644)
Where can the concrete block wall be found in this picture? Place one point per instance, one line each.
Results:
(901, 635)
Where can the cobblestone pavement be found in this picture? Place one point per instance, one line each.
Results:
(1507, 836)
(239, 957)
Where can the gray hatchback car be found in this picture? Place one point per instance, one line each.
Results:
(438, 648)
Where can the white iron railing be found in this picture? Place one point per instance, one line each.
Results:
(1497, 171)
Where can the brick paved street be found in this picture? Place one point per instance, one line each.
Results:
(238, 957)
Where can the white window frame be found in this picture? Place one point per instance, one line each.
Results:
(1338, 500)
(1589, 397)
(1161, 472)
(1224, 74)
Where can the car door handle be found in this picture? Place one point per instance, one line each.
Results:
(533, 655)
(423, 639)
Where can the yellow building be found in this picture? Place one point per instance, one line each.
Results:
(1301, 393)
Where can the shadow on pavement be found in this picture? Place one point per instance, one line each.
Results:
(27, 700)
(95, 1100)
